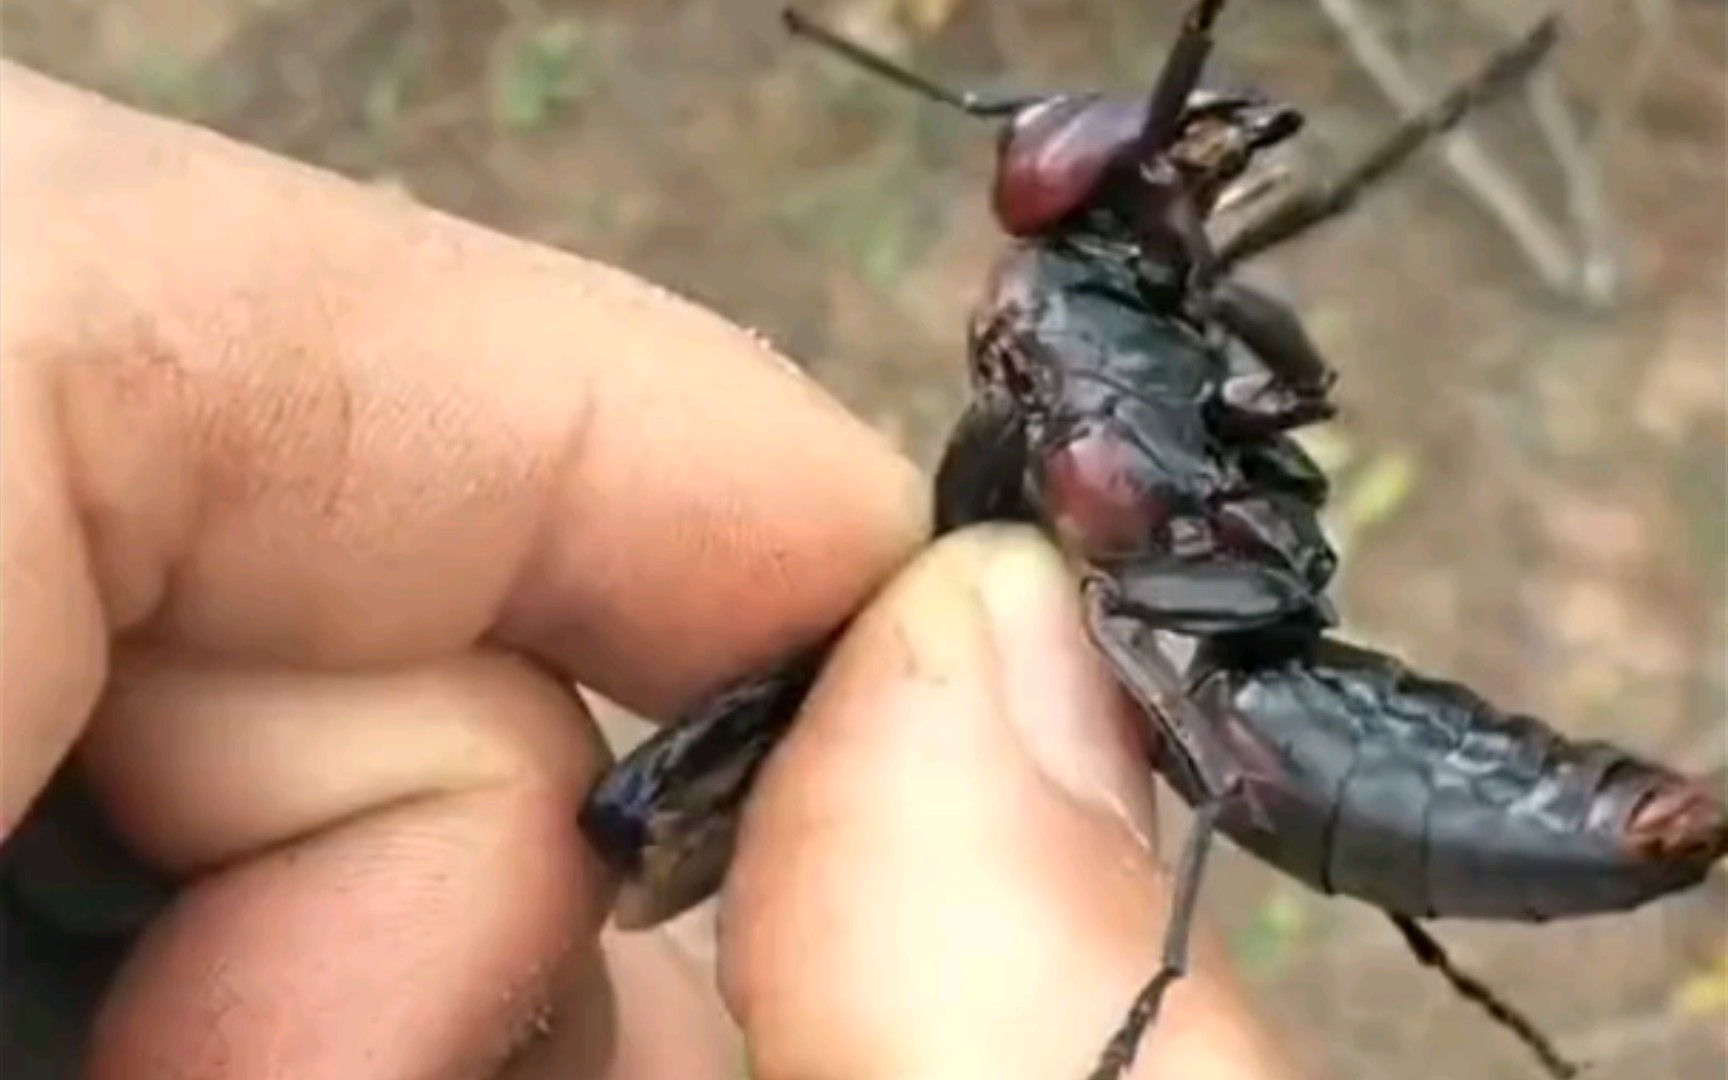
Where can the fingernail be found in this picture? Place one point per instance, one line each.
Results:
(1059, 695)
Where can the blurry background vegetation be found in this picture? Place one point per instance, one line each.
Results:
(1531, 489)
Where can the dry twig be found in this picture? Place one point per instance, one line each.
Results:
(1598, 271)
(1541, 242)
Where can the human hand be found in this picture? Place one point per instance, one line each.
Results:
(315, 503)
(949, 868)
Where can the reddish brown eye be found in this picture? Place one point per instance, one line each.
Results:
(1053, 157)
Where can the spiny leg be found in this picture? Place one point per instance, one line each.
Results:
(1272, 332)
(979, 479)
(1308, 206)
(1119, 1054)
(1430, 954)
(967, 101)
(1130, 646)
(981, 476)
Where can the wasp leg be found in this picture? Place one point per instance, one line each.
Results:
(1119, 1054)
(1273, 333)
(1228, 595)
(980, 479)
(1123, 617)
(981, 476)
(666, 817)
(1130, 646)
(1214, 777)
(1270, 586)
(1310, 205)
(1280, 465)
(1430, 954)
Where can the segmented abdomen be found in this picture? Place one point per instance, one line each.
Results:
(1418, 796)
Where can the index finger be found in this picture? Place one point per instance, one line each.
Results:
(277, 416)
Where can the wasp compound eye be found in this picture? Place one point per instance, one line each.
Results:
(1054, 158)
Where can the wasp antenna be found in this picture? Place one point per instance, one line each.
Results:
(973, 104)
(1178, 77)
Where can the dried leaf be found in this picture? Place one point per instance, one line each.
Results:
(929, 16)
(541, 74)
(1706, 991)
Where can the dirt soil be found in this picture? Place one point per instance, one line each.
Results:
(1531, 493)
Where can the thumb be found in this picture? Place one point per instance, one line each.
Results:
(947, 870)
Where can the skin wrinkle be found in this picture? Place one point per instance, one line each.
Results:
(722, 521)
(110, 439)
(316, 429)
(282, 418)
(341, 467)
(318, 751)
(387, 875)
(577, 439)
(68, 610)
(108, 351)
(521, 620)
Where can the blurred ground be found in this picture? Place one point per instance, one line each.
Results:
(1531, 495)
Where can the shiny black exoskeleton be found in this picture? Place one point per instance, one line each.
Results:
(1135, 401)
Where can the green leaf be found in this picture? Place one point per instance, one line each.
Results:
(542, 74)
(1706, 991)
(1279, 925)
(886, 248)
(1385, 485)
(388, 88)
(166, 81)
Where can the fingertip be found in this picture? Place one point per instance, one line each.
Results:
(418, 940)
(928, 885)
(1059, 697)
(999, 605)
